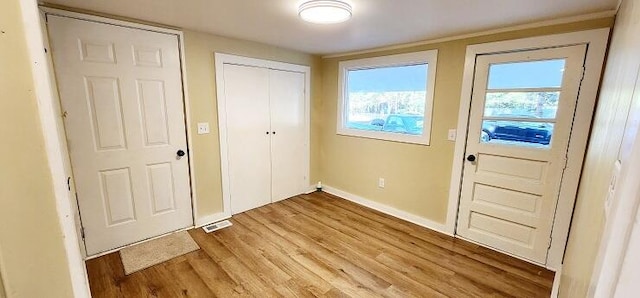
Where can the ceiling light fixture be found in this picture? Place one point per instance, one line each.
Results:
(325, 11)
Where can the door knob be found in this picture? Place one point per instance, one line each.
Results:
(471, 158)
(180, 153)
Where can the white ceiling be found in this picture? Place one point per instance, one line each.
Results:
(375, 22)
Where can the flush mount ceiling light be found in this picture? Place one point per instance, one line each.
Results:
(325, 11)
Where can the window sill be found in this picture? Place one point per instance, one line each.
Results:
(422, 140)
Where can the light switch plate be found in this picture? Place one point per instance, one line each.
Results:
(381, 182)
(203, 128)
(452, 135)
(613, 185)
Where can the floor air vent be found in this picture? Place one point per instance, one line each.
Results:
(217, 226)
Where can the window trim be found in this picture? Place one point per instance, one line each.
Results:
(429, 57)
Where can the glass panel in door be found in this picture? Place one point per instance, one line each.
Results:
(521, 103)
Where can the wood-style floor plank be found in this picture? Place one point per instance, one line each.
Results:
(319, 245)
(449, 244)
(434, 262)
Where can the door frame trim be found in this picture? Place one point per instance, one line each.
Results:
(597, 41)
(55, 146)
(220, 60)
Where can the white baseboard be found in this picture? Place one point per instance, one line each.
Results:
(556, 283)
(209, 219)
(311, 189)
(220, 216)
(404, 215)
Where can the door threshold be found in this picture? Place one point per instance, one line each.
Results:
(505, 253)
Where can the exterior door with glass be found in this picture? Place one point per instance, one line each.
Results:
(522, 112)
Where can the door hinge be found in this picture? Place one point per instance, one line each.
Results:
(550, 241)
(69, 183)
(82, 233)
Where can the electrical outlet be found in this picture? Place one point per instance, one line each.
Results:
(452, 135)
(203, 128)
(381, 182)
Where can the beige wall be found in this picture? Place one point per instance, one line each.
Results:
(610, 140)
(199, 52)
(33, 260)
(416, 177)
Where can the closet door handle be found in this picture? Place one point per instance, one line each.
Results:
(267, 132)
(274, 132)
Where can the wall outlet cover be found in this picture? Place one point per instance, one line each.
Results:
(452, 135)
(203, 128)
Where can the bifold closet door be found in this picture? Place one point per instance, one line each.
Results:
(248, 136)
(288, 140)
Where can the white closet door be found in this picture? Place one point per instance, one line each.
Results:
(121, 89)
(248, 136)
(288, 140)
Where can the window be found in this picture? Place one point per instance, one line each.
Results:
(521, 103)
(388, 98)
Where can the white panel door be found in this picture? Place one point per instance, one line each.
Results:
(121, 92)
(521, 119)
(288, 140)
(248, 136)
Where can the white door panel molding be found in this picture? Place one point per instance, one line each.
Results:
(121, 90)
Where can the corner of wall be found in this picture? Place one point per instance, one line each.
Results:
(606, 146)
(3, 291)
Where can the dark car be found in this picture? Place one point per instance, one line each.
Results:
(377, 122)
(400, 123)
(528, 132)
(408, 124)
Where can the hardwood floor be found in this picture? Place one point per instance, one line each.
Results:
(319, 245)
